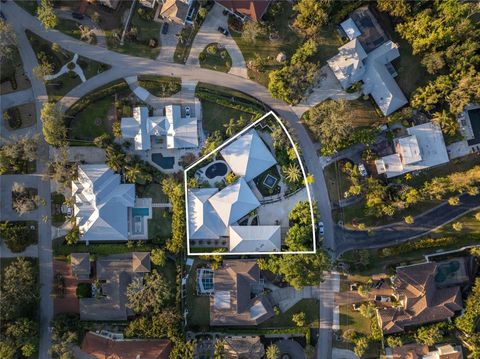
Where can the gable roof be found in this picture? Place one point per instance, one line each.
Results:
(234, 201)
(104, 348)
(248, 156)
(254, 9)
(101, 203)
(80, 263)
(203, 221)
(255, 239)
(140, 262)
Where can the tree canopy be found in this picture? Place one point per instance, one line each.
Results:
(46, 14)
(150, 294)
(54, 129)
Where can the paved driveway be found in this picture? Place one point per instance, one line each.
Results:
(343, 354)
(169, 42)
(16, 99)
(208, 33)
(292, 348)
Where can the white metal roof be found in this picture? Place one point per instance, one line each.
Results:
(348, 65)
(408, 149)
(203, 221)
(255, 239)
(234, 201)
(248, 156)
(350, 28)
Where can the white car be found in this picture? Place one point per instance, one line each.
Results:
(362, 170)
(321, 228)
(187, 111)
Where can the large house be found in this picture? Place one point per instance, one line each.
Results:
(427, 293)
(367, 58)
(237, 298)
(237, 347)
(423, 147)
(104, 347)
(115, 272)
(418, 351)
(246, 9)
(177, 132)
(102, 204)
(178, 11)
(214, 213)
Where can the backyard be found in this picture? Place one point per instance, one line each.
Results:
(214, 57)
(198, 307)
(160, 226)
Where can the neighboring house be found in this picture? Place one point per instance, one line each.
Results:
(238, 347)
(246, 9)
(102, 347)
(177, 132)
(417, 351)
(178, 11)
(367, 58)
(115, 272)
(422, 148)
(238, 298)
(102, 204)
(427, 293)
(149, 3)
(80, 263)
(215, 214)
(469, 121)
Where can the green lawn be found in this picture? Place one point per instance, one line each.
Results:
(100, 249)
(215, 116)
(198, 306)
(214, 58)
(152, 190)
(160, 226)
(309, 306)
(471, 227)
(71, 28)
(352, 319)
(29, 6)
(93, 121)
(160, 86)
(147, 30)
(337, 181)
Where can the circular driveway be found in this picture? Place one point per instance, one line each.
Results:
(292, 348)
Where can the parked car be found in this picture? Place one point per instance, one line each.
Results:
(321, 228)
(222, 30)
(362, 170)
(2, 15)
(77, 15)
(383, 299)
(165, 28)
(187, 111)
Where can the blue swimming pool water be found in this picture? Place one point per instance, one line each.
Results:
(216, 169)
(143, 212)
(164, 162)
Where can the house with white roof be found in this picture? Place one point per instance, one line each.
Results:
(102, 204)
(255, 239)
(367, 57)
(178, 132)
(423, 147)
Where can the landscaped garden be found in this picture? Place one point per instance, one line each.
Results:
(49, 54)
(160, 86)
(143, 37)
(18, 235)
(20, 116)
(216, 58)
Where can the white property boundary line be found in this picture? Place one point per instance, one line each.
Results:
(217, 150)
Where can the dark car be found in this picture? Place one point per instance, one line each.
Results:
(165, 28)
(2, 15)
(77, 15)
(222, 30)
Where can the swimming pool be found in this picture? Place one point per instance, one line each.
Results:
(474, 116)
(270, 181)
(216, 169)
(141, 212)
(164, 162)
(445, 270)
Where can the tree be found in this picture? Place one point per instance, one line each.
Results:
(60, 169)
(7, 350)
(299, 237)
(66, 329)
(19, 290)
(272, 352)
(477, 216)
(43, 69)
(409, 219)
(454, 201)
(183, 350)
(363, 290)
(394, 341)
(292, 173)
(86, 33)
(24, 333)
(298, 270)
(161, 325)
(7, 41)
(175, 193)
(54, 129)
(361, 346)
(397, 8)
(250, 31)
(457, 226)
(367, 310)
(17, 236)
(299, 319)
(148, 295)
(115, 158)
(46, 14)
(446, 121)
(72, 236)
(434, 62)
(312, 15)
(158, 257)
(429, 335)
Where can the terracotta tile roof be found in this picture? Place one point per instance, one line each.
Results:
(409, 351)
(422, 300)
(254, 9)
(104, 348)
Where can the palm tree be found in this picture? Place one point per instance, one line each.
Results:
(230, 127)
(272, 352)
(292, 173)
(115, 159)
(133, 173)
(85, 33)
(446, 121)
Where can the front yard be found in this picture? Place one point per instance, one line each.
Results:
(160, 86)
(310, 307)
(215, 58)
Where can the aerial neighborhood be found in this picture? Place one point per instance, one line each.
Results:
(231, 179)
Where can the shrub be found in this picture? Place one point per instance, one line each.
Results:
(84, 290)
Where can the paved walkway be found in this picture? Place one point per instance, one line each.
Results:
(328, 288)
(208, 33)
(18, 98)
